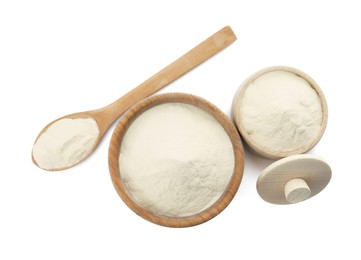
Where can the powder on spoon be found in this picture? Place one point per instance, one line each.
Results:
(176, 160)
(281, 111)
(65, 143)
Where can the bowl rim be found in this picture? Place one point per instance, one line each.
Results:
(258, 148)
(114, 151)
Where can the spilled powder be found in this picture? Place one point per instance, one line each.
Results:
(281, 111)
(65, 143)
(176, 160)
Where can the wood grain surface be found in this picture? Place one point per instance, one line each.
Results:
(114, 151)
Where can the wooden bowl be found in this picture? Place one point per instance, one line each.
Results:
(259, 148)
(116, 175)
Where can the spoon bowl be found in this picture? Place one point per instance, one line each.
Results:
(93, 115)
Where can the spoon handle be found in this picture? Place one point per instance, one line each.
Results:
(179, 67)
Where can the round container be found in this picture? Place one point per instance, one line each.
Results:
(260, 148)
(126, 195)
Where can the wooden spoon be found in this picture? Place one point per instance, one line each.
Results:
(105, 116)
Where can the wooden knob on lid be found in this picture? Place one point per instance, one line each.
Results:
(293, 179)
(297, 190)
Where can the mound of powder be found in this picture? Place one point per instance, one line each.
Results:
(176, 160)
(65, 143)
(281, 111)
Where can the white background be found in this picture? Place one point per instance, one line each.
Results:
(60, 57)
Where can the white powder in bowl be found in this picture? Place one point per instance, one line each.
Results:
(65, 143)
(281, 112)
(176, 160)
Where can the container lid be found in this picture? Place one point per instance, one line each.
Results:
(293, 179)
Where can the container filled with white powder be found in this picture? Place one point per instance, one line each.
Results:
(176, 160)
(280, 111)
